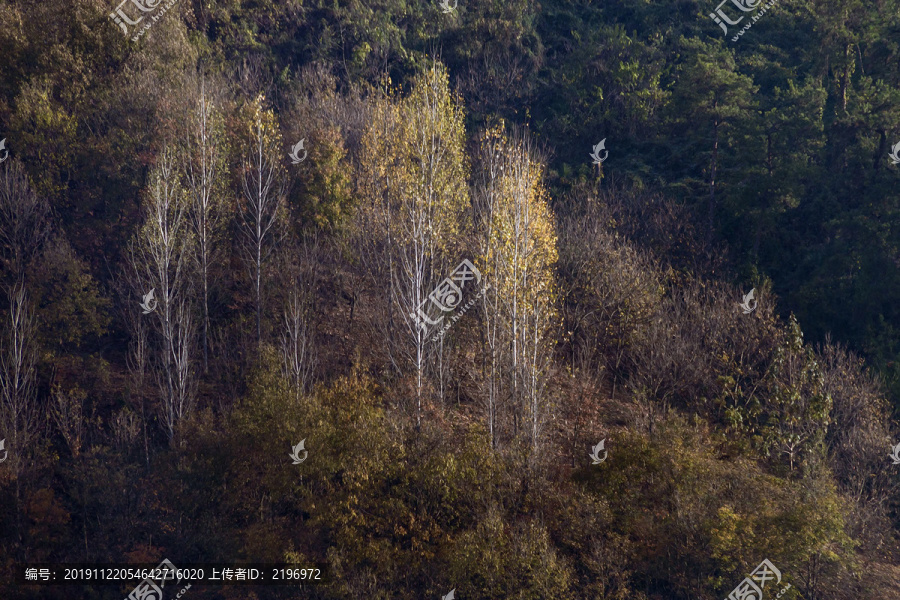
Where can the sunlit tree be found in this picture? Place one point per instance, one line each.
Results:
(519, 254)
(414, 183)
(263, 211)
(204, 176)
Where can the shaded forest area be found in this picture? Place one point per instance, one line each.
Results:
(287, 280)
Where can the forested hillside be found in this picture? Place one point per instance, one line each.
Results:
(565, 299)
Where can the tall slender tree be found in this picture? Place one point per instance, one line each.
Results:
(204, 174)
(298, 347)
(519, 241)
(263, 213)
(160, 256)
(19, 412)
(414, 177)
(491, 158)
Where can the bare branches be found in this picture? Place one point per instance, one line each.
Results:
(24, 220)
(139, 369)
(297, 349)
(518, 242)
(160, 258)
(264, 189)
(413, 183)
(298, 344)
(204, 165)
(18, 359)
(24, 227)
(179, 379)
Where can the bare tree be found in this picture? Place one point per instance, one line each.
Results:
(185, 381)
(18, 407)
(252, 79)
(413, 177)
(319, 105)
(298, 349)
(492, 156)
(160, 257)
(204, 164)
(24, 221)
(656, 374)
(610, 290)
(17, 374)
(520, 256)
(24, 227)
(265, 187)
(856, 441)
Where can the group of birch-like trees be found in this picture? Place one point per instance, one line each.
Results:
(181, 245)
(422, 213)
(423, 206)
